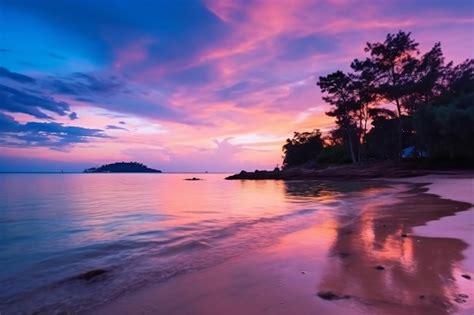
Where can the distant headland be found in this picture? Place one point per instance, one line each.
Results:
(122, 167)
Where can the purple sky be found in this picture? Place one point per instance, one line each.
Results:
(186, 85)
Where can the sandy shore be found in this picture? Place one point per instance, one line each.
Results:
(461, 225)
(406, 255)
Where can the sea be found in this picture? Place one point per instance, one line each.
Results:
(72, 242)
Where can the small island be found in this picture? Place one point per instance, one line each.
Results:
(122, 167)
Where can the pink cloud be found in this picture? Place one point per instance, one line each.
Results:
(253, 90)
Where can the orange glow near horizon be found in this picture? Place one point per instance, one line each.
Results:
(162, 93)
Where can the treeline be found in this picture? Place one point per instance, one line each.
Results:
(122, 167)
(396, 103)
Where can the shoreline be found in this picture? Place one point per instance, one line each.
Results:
(461, 223)
(340, 258)
(367, 171)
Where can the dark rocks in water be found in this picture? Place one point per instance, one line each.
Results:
(468, 277)
(460, 300)
(404, 235)
(91, 274)
(380, 267)
(303, 272)
(368, 170)
(330, 296)
(258, 175)
(193, 178)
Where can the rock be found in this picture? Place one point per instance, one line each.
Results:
(380, 267)
(404, 235)
(422, 297)
(468, 277)
(303, 272)
(89, 275)
(193, 178)
(328, 295)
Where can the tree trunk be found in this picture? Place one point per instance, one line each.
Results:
(351, 147)
(400, 132)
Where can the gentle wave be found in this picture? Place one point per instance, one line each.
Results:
(84, 248)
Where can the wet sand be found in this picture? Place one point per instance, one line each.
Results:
(403, 255)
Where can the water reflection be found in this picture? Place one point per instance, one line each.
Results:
(376, 261)
(145, 228)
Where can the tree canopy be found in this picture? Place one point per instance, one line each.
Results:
(395, 98)
(304, 147)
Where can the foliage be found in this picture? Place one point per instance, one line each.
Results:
(447, 132)
(393, 99)
(335, 154)
(302, 148)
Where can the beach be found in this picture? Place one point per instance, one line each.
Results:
(402, 250)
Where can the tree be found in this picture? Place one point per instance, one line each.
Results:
(428, 80)
(459, 80)
(365, 98)
(433, 103)
(447, 131)
(339, 89)
(303, 148)
(393, 63)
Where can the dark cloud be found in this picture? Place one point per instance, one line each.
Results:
(99, 84)
(31, 103)
(43, 134)
(112, 93)
(7, 123)
(122, 122)
(84, 99)
(104, 91)
(15, 76)
(83, 85)
(73, 116)
(112, 127)
(39, 105)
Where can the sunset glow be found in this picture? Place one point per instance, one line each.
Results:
(186, 85)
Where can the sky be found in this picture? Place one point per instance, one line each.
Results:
(211, 85)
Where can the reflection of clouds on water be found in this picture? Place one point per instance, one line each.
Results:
(418, 273)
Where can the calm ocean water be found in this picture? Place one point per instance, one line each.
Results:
(140, 228)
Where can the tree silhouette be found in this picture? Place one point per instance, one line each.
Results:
(339, 88)
(433, 104)
(302, 148)
(394, 64)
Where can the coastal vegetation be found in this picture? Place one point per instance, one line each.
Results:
(395, 104)
(122, 167)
